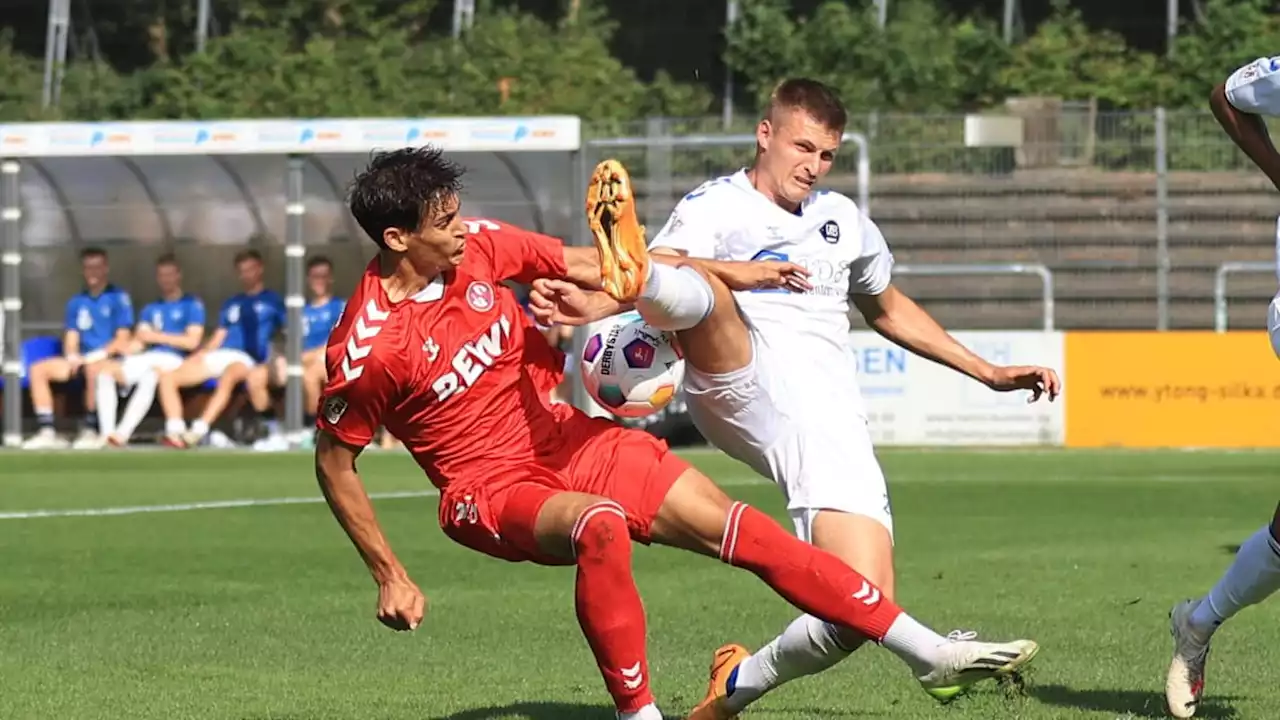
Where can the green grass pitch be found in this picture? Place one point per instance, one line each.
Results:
(250, 613)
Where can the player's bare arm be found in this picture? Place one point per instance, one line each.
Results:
(899, 319)
(401, 604)
(566, 303)
(188, 340)
(71, 348)
(119, 343)
(582, 266)
(215, 341)
(1247, 131)
(741, 275)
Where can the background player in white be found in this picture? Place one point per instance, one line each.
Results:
(167, 330)
(1238, 104)
(770, 377)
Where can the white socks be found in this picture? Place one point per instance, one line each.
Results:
(674, 298)
(807, 647)
(175, 426)
(1253, 576)
(648, 712)
(916, 644)
(200, 428)
(108, 399)
(144, 393)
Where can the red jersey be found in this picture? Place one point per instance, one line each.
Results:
(457, 372)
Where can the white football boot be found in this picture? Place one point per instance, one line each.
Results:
(46, 439)
(965, 661)
(1185, 682)
(87, 440)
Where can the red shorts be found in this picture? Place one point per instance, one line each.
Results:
(629, 467)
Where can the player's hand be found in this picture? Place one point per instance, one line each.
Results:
(401, 604)
(1039, 380)
(75, 362)
(557, 302)
(763, 274)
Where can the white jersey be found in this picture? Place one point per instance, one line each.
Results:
(1255, 88)
(844, 251)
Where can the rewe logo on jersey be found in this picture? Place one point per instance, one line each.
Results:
(359, 345)
(472, 359)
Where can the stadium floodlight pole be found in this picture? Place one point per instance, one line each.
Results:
(55, 50)
(1162, 220)
(294, 299)
(464, 14)
(730, 17)
(882, 12)
(1010, 7)
(202, 24)
(1171, 27)
(11, 255)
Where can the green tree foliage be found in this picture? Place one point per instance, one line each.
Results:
(1232, 33)
(928, 60)
(924, 60)
(1064, 58)
(20, 83)
(367, 58)
(389, 58)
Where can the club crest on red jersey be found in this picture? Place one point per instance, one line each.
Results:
(480, 296)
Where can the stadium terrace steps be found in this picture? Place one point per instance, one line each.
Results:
(1096, 230)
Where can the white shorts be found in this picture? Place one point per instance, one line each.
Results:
(134, 367)
(217, 361)
(819, 464)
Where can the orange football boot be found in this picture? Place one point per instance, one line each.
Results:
(723, 664)
(618, 234)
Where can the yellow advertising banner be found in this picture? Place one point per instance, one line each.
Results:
(1171, 389)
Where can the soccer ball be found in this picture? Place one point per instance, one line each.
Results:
(629, 368)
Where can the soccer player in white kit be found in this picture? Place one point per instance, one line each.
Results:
(770, 377)
(1238, 104)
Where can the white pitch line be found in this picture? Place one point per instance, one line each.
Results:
(209, 505)
(249, 502)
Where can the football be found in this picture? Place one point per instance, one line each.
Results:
(629, 368)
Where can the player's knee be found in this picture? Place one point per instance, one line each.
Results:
(846, 638)
(682, 298)
(601, 534)
(234, 375)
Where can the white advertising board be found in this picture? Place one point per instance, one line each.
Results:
(911, 401)
(281, 137)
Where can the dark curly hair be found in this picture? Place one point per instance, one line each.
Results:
(402, 188)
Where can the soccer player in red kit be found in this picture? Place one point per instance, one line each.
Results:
(432, 346)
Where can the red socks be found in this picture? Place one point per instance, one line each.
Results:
(814, 581)
(608, 604)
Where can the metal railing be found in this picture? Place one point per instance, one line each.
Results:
(1041, 271)
(1220, 287)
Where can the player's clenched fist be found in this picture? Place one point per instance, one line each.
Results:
(401, 604)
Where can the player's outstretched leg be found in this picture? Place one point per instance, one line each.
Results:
(697, 515)
(592, 532)
(669, 296)
(1252, 577)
